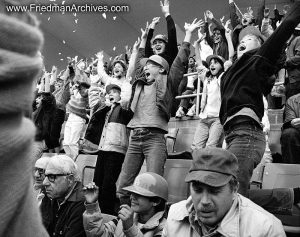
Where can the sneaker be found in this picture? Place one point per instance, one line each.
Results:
(180, 113)
(192, 111)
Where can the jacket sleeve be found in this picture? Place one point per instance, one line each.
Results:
(75, 228)
(234, 18)
(289, 111)
(148, 49)
(271, 49)
(294, 61)
(260, 13)
(208, 38)
(178, 67)
(94, 223)
(172, 38)
(266, 28)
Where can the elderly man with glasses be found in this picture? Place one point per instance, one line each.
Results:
(62, 210)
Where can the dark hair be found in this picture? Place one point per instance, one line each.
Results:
(233, 184)
(161, 203)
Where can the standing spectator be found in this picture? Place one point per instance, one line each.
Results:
(292, 64)
(242, 88)
(290, 137)
(62, 212)
(209, 132)
(151, 102)
(161, 45)
(77, 116)
(144, 217)
(107, 130)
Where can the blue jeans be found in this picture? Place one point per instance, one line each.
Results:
(247, 142)
(209, 133)
(144, 143)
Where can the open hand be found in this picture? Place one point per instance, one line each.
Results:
(209, 14)
(193, 26)
(91, 192)
(100, 56)
(165, 7)
(145, 32)
(154, 22)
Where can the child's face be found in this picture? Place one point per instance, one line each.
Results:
(58, 84)
(83, 91)
(141, 204)
(158, 46)
(248, 43)
(217, 36)
(114, 95)
(118, 70)
(151, 71)
(214, 67)
(247, 19)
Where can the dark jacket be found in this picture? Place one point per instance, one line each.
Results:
(293, 59)
(166, 90)
(116, 136)
(222, 47)
(65, 221)
(244, 84)
(291, 110)
(171, 47)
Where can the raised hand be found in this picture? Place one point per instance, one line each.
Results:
(136, 44)
(193, 26)
(145, 32)
(226, 26)
(100, 56)
(126, 216)
(209, 14)
(154, 22)
(222, 20)
(91, 192)
(165, 7)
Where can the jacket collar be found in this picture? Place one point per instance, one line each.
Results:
(75, 194)
(153, 222)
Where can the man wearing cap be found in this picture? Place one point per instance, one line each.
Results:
(162, 45)
(151, 102)
(214, 207)
(62, 210)
(107, 133)
(292, 64)
(242, 88)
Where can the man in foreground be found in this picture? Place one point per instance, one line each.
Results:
(215, 208)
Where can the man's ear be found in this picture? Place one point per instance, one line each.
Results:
(161, 70)
(71, 179)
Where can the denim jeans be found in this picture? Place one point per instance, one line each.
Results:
(144, 143)
(108, 168)
(290, 145)
(209, 133)
(247, 142)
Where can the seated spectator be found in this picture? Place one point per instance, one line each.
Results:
(39, 176)
(209, 132)
(62, 211)
(151, 104)
(290, 137)
(215, 208)
(145, 217)
(107, 132)
(77, 116)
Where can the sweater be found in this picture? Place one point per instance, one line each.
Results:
(78, 106)
(20, 41)
(245, 82)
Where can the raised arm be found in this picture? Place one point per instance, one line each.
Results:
(148, 48)
(133, 59)
(100, 68)
(228, 35)
(208, 37)
(234, 18)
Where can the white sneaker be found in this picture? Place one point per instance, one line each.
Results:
(192, 111)
(179, 113)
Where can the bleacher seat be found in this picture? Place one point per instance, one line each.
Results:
(284, 176)
(86, 164)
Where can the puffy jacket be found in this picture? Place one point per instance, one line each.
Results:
(95, 225)
(107, 130)
(167, 87)
(244, 218)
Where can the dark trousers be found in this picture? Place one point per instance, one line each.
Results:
(108, 168)
(290, 145)
(55, 129)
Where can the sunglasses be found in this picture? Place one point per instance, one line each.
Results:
(52, 177)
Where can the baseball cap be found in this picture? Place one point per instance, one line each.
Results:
(161, 37)
(112, 86)
(123, 64)
(157, 59)
(213, 166)
(251, 30)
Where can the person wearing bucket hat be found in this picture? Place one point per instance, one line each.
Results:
(214, 207)
(242, 88)
(165, 46)
(151, 101)
(292, 64)
(149, 194)
(107, 136)
(209, 132)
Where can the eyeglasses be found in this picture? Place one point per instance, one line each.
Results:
(39, 170)
(52, 177)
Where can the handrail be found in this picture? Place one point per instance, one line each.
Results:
(186, 96)
(279, 83)
(190, 74)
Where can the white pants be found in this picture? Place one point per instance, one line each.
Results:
(73, 128)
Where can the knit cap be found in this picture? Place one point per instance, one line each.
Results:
(78, 106)
(20, 42)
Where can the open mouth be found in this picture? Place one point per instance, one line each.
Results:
(242, 47)
(111, 99)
